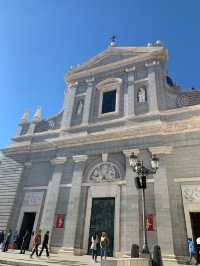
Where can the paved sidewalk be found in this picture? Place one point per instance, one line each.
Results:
(14, 258)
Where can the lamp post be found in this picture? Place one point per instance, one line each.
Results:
(140, 183)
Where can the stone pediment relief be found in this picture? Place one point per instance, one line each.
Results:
(111, 59)
(113, 55)
(104, 172)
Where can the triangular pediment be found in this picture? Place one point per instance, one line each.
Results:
(113, 55)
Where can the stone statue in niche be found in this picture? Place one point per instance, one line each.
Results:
(79, 108)
(104, 172)
(141, 95)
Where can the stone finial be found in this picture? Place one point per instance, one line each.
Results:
(25, 118)
(37, 115)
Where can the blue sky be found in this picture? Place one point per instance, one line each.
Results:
(41, 39)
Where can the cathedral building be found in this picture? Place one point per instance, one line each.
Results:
(70, 173)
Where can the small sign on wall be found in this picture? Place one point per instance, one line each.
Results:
(149, 222)
(60, 221)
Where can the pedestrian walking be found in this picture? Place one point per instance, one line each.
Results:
(15, 240)
(7, 241)
(31, 241)
(25, 241)
(192, 251)
(36, 243)
(104, 244)
(45, 244)
(198, 250)
(94, 241)
(1, 240)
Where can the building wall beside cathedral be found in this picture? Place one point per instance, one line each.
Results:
(58, 167)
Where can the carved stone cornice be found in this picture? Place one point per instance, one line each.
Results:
(79, 158)
(72, 84)
(80, 72)
(161, 150)
(130, 69)
(108, 83)
(90, 81)
(128, 153)
(58, 160)
(161, 129)
(152, 63)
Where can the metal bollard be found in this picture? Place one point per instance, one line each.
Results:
(157, 257)
(134, 251)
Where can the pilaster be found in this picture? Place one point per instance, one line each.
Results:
(52, 195)
(162, 201)
(68, 104)
(87, 104)
(129, 97)
(131, 207)
(152, 86)
(31, 128)
(24, 121)
(73, 205)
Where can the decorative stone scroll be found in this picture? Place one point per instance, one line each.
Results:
(104, 172)
(191, 193)
(33, 199)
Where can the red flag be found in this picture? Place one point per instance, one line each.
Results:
(149, 222)
(60, 220)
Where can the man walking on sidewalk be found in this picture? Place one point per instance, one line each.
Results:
(45, 244)
(7, 241)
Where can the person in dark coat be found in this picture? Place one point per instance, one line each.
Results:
(1, 240)
(7, 241)
(1, 237)
(25, 241)
(45, 244)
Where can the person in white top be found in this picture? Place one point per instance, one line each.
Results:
(198, 249)
(95, 241)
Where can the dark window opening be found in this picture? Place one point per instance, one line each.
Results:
(109, 101)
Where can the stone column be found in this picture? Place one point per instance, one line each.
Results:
(129, 97)
(73, 205)
(131, 208)
(162, 202)
(50, 204)
(152, 93)
(87, 104)
(69, 104)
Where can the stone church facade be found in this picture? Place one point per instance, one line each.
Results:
(70, 173)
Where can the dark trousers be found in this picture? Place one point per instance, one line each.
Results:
(23, 247)
(44, 246)
(35, 250)
(94, 254)
(197, 254)
(6, 246)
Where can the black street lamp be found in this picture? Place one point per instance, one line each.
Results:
(140, 183)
